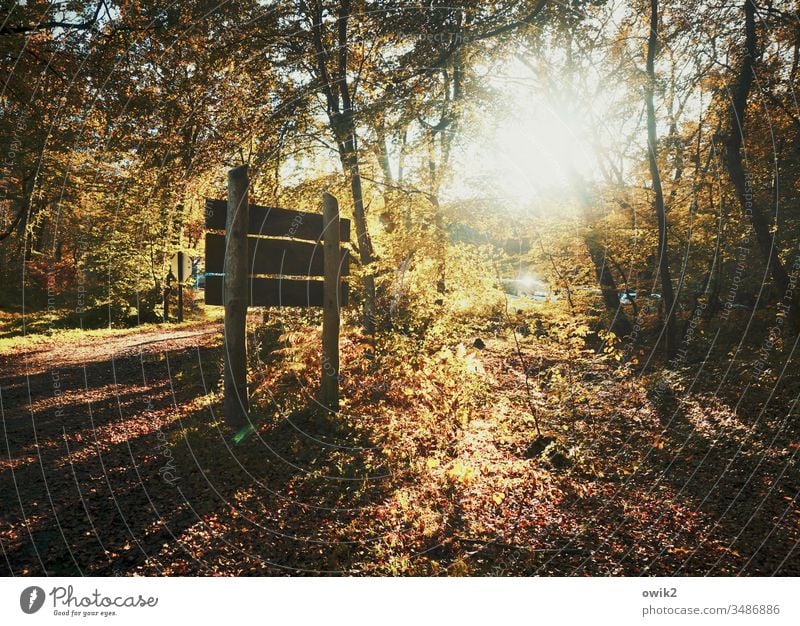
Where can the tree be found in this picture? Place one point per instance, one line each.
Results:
(337, 77)
(667, 296)
(745, 193)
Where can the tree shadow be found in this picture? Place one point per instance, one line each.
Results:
(160, 487)
(738, 471)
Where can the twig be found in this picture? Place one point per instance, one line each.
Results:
(519, 353)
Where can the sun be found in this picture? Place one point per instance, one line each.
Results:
(536, 149)
(528, 147)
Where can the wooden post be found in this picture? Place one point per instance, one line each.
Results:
(180, 286)
(329, 387)
(236, 299)
(167, 289)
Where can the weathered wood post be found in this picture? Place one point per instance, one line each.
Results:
(167, 290)
(181, 278)
(329, 387)
(236, 299)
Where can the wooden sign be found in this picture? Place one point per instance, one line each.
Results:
(181, 265)
(271, 257)
(281, 257)
(180, 268)
(280, 272)
(274, 222)
(277, 292)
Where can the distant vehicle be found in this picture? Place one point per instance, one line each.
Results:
(525, 286)
(628, 296)
(539, 296)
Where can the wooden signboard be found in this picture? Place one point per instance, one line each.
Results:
(274, 292)
(298, 263)
(281, 257)
(274, 222)
(272, 257)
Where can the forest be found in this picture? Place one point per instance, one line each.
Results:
(572, 301)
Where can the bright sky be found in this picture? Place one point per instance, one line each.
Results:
(523, 155)
(522, 150)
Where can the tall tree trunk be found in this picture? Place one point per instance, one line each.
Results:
(736, 170)
(433, 196)
(718, 261)
(389, 216)
(349, 158)
(620, 324)
(667, 295)
(337, 91)
(382, 154)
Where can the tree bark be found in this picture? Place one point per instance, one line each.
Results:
(335, 88)
(736, 168)
(620, 324)
(349, 157)
(667, 295)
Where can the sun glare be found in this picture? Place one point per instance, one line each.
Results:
(528, 148)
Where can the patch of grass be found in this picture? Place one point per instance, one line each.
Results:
(39, 333)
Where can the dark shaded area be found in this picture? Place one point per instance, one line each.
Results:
(102, 488)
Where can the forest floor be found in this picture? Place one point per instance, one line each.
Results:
(114, 461)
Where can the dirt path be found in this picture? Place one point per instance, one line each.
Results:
(83, 450)
(42, 353)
